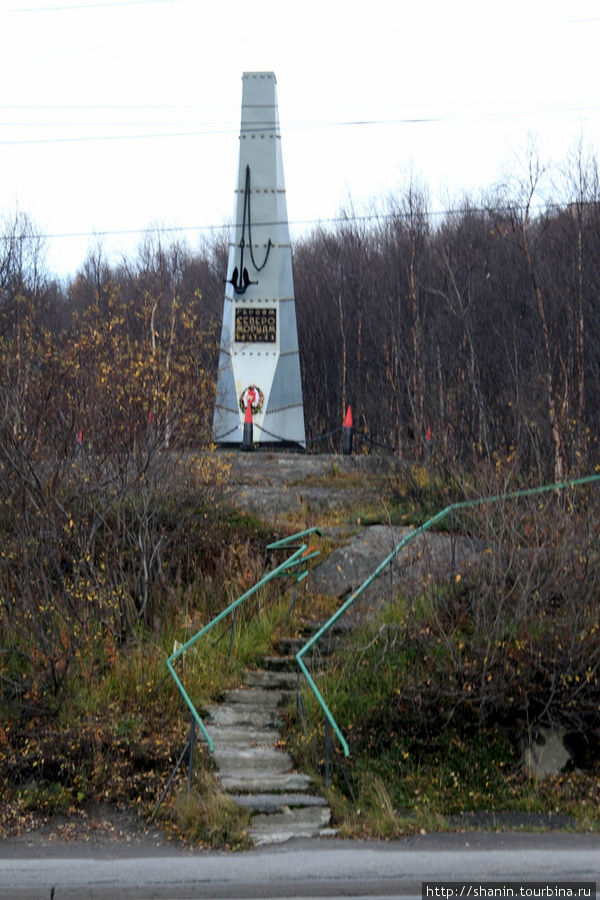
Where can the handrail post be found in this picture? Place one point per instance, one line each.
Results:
(233, 618)
(191, 757)
(298, 701)
(327, 744)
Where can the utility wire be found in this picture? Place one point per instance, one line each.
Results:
(317, 223)
(110, 137)
(228, 130)
(97, 4)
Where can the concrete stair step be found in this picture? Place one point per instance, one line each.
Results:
(261, 678)
(272, 803)
(243, 735)
(339, 627)
(242, 714)
(253, 760)
(243, 782)
(289, 646)
(252, 766)
(275, 828)
(256, 696)
(280, 663)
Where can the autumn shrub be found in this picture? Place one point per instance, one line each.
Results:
(120, 725)
(84, 566)
(513, 638)
(438, 693)
(104, 506)
(113, 540)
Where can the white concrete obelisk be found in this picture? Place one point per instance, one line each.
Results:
(259, 362)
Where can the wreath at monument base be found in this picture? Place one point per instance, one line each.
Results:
(253, 397)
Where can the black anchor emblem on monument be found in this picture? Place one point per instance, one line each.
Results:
(240, 278)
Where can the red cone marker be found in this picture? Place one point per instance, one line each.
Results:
(348, 429)
(248, 439)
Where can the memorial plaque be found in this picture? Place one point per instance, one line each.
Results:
(255, 325)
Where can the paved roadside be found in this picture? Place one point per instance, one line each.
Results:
(304, 868)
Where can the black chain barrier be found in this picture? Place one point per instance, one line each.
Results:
(222, 437)
(362, 434)
(365, 436)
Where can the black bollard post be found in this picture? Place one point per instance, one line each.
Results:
(248, 438)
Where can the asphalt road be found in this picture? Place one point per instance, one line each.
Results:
(310, 868)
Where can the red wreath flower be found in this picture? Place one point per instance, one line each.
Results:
(253, 397)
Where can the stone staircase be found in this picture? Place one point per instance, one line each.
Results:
(252, 765)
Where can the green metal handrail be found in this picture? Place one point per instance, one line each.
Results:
(298, 558)
(285, 542)
(463, 504)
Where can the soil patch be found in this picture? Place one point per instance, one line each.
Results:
(97, 828)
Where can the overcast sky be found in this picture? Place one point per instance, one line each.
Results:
(118, 115)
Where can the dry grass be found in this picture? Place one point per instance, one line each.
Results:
(209, 817)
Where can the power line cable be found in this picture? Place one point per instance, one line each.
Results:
(333, 220)
(416, 120)
(97, 4)
(110, 137)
